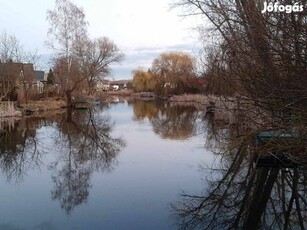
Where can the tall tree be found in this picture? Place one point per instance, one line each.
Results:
(262, 55)
(172, 69)
(67, 26)
(50, 77)
(262, 52)
(143, 81)
(174, 64)
(79, 60)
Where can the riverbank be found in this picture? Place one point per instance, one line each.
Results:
(184, 98)
(10, 109)
(44, 105)
(194, 98)
(198, 101)
(123, 92)
(59, 103)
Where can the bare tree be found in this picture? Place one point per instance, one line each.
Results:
(261, 58)
(67, 25)
(79, 59)
(94, 58)
(12, 50)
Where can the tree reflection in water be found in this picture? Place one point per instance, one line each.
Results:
(169, 121)
(20, 147)
(145, 109)
(86, 145)
(239, 195)
(83, 143)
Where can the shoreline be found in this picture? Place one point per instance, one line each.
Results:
(44, 105)
(10, 110)
(54, 104)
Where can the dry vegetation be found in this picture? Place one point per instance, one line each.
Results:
(197, 98)
(44, 105)
(123, 92)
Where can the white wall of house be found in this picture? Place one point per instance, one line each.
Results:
(102, 86)
(115, 87)
(38, 86)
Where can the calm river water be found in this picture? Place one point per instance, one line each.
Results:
(136, 165)
(118, 167)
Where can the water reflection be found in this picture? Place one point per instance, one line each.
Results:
(145, 109)
(20, 146)
(239, 194)
(83, 144)
(169, 121)
(86, 145)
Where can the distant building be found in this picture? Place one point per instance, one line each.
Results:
(103, 85)
(115, 87)
(122, 84)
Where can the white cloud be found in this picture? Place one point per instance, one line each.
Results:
(136, 22)
(143, 56)
(142, 29)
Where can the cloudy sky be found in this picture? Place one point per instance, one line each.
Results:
(141, 28)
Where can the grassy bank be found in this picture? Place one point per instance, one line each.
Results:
(123, 92)
(44, 105)
(193, 98)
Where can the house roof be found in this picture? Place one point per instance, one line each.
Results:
(10, 70)
(13, 71)
(28, 71)
(39, 75)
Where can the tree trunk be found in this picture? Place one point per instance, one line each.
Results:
(69, 114)
(68, 98)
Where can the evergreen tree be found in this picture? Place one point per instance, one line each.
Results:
(50, 77)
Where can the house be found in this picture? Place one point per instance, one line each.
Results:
(170, 85)
(115, 87)
(120, 84)
(15, 77)
(39, 82)
(103, 85)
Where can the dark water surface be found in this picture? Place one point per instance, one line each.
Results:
(147, 165)
(118, 167)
